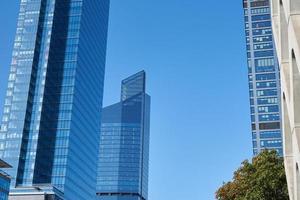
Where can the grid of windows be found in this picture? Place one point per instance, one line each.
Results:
(264, 81)
(4, 185)
(120, 158)
(48, 134)
(124, 144)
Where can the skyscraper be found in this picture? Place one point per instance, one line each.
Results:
(4, 181)
(286, 27)
(264, 77)
(124, 144)
(51, 121)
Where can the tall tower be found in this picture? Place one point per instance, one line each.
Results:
(264, 77)
(51, 121)
(286, 27)
(124, 144)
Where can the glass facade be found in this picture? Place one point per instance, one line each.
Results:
(264, 77)
(124, 144)
(4, 185)
(4, 181)
(50, 125)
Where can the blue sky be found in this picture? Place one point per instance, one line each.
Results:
(194, 55)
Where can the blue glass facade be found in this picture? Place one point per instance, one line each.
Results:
(4, 185)
(4, 181)
(264, 77)
(50, 126)
(124, 144)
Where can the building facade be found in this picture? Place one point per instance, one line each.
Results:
(263, 76)
(286, 26)
(36, 193)
(50, 125)
(124, 144)
(4, 181)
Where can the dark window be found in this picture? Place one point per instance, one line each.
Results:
(273, 125)
(259, 3)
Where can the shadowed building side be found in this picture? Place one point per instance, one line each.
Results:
(286, 27)
(4, 180)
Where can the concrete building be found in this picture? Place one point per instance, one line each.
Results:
(286, 27)
(35, 193)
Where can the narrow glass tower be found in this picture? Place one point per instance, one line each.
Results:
(50, 126)
(264, 77)
(124, 144)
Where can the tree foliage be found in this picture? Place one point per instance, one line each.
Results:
(263, 179)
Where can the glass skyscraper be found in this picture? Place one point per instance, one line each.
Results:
(264, 77)
(124, 144)
(51, 121)
(4, 181)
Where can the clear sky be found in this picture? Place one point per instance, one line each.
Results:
(194, 54)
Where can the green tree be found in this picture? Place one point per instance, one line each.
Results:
(263, 179)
